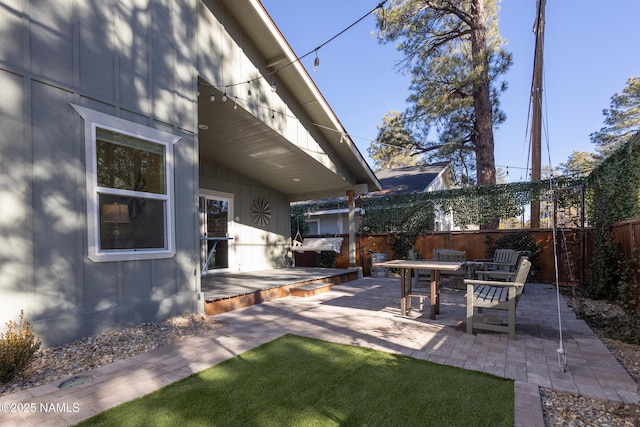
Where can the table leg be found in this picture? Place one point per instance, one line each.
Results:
(435, 301)
(403, 294)
(438, 288)
(408, 287)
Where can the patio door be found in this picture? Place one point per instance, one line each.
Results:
(216, 213)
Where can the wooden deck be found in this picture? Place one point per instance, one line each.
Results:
(230, 291)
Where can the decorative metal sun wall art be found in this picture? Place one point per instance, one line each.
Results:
(260, 212)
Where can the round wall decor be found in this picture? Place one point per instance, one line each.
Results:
(260, 212)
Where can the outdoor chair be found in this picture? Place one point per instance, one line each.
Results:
(495, 295)
(505, 274)
(421, 287)
(503, 259)
(455, 277)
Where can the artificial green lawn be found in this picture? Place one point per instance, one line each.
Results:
(298, 381)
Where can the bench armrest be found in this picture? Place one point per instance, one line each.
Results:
(491, 283)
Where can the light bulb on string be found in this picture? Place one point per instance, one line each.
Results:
(249, 91)
(274, 87)
(316, 62)
(235, 103)
(224, 97)
(213, 97)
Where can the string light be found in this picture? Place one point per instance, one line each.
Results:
(316, 62)
(315, 50)
(343, 135)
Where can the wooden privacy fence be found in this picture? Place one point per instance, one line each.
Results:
(573, 250)
(627, 234)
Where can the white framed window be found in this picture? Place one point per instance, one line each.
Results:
(130, 203)
(314, 226)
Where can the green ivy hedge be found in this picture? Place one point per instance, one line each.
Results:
(415, 212)
(613, 194)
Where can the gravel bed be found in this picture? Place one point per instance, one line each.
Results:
(54, 363)
(566, 409)
(59, 362)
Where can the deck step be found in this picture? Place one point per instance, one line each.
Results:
(223, 305)
(310, 289)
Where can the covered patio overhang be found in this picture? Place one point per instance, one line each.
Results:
(289, 139)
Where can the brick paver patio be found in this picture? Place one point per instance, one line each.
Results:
(364, 312)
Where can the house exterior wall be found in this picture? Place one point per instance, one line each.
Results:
(332, 224)
(115, 57)
(253, 248)
(136, 60)
(443, 220)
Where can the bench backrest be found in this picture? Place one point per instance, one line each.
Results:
(523, 271)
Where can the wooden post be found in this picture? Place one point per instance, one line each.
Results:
(352, 228)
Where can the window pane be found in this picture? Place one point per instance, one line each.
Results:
(313, 227)
(131, 223)
(129, 163)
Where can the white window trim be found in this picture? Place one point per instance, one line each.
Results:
(93, 119)
(317, 221)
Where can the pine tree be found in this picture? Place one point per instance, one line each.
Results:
(394, 144)
(622, 119)
(455, 54)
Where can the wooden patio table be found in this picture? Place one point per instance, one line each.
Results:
(406, 266)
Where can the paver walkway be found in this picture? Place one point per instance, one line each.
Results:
(364, 312)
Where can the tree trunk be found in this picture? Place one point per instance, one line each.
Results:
(483, 126)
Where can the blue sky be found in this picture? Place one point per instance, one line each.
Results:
(590, 52)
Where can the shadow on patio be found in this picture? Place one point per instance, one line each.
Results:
(366, 312)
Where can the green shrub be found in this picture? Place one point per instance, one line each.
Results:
(613, 194)
(17, 346)
(326, 259)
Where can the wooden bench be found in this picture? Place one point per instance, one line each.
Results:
(498, 296)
